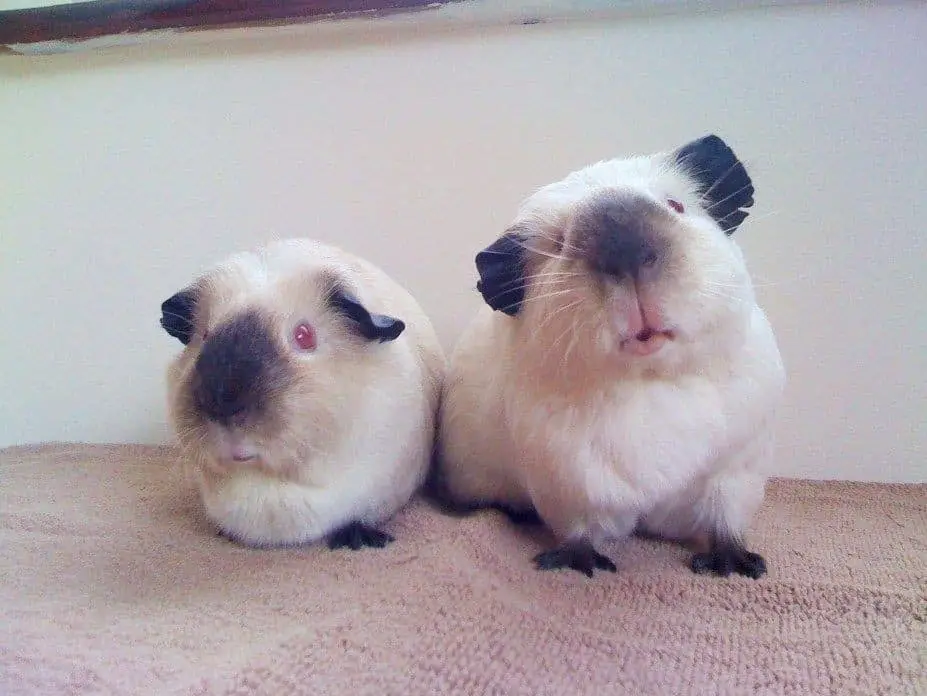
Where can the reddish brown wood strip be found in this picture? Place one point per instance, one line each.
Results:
(87, 20)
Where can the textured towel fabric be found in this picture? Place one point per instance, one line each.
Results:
(112, 582)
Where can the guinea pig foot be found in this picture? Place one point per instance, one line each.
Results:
(528, 516)
(723, 560)
(576, 555)
(358, 535)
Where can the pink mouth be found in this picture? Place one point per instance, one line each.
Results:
(643, 314)
(242, 453)
(646, 342)
(232, 448)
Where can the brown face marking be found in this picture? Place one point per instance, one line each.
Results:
(240, 368)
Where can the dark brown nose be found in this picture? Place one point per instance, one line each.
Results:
(621, 239)
(233, 371)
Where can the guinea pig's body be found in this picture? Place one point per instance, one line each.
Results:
(623, 376)
(303, 414)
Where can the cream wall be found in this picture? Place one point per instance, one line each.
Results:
(124, 174)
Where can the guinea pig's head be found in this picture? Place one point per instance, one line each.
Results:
(628, 262)
(278, 345)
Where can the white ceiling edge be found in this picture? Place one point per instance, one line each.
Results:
(441, 15)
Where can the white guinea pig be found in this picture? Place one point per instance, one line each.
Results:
(305, 397)
(623, 377)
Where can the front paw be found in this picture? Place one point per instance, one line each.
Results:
(724, 561)
(358, 535)
(578, 556)
(227, 536)
(527, 517)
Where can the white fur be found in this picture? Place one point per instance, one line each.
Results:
(544, 409)
(358, 428)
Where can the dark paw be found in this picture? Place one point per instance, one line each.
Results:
(580, 557)
(356, 536)
(725, 561)
(524, 517)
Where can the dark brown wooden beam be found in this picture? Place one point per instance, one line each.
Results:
(86, 20)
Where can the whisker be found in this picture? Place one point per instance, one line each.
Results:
(515, 287)
(536, 298)
(763, 216)
(184, 319)
(559, 272)
(757, 282)
(553, 314)
(725, 199)
(545, 296)
(719, 294)
(559, 257)
(721, 284)
(525, 245)
(717, 181)
(578, 330)
(554, 274)
(555, 344)
(563, 243)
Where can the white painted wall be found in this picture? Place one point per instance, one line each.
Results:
(125, 173)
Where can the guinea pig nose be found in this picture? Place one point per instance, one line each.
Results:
(230, 398)
(233, 371)
(625, 245)
(623, 254)
(222, 402)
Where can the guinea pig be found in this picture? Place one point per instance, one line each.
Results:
(621, 377)
(305, 397)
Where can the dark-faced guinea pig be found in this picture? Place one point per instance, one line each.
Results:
(305, 397)
(621, 375)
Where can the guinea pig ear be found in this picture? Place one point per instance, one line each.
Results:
(177, 315)
(501, 266)
(723, 181)
(374, 327)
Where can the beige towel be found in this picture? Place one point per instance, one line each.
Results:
(114, 583)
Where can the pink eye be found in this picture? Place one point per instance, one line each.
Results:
(676, 205)
(304, 337)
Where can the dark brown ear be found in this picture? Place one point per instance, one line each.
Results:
(374, 327)
(177, 315)
(501, 267)
(723, 181)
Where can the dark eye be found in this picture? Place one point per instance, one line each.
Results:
(676, 205)
(304, 337)
(205, 334)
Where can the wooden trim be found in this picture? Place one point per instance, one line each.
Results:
(96, 18)
(105, 24)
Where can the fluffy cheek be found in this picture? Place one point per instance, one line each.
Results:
(568, 319)
(192, 433)
(307, 422)
(180, 403)
(703, 282)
